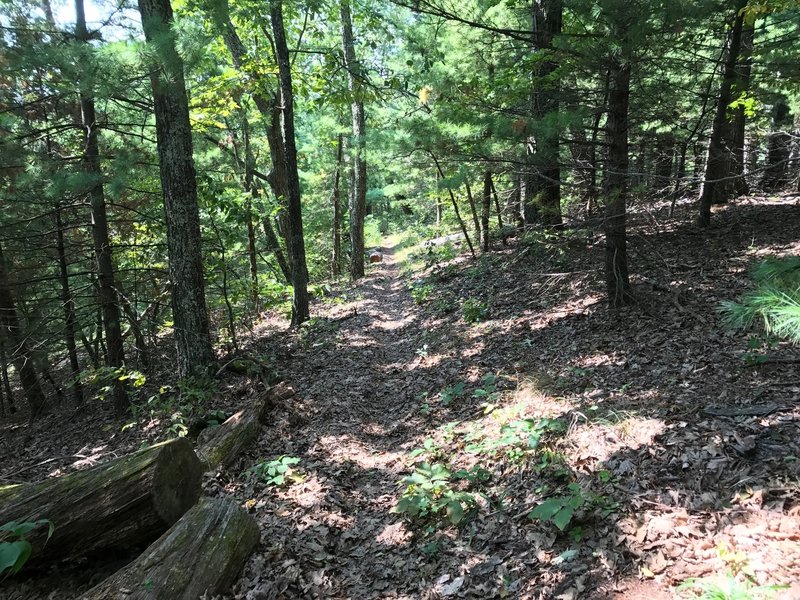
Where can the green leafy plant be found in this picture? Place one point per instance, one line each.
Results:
(727, 587)
(276, 472)
(15, 550)
(560, 510)
(474, 310)
(517, 437)
(774, 304)
(103, 379)
(428, 492)
(421, 292)
(448, 394)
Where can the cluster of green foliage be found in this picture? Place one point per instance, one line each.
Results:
(15, 550)
(276, 472)
(774, 304)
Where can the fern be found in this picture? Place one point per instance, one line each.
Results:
(775, 303)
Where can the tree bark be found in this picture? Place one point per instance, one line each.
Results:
(12, 408)
(473, 210)
(776, 167)
(486, 208)
(547, 19)
(455, 207)
(252, 252)
(68, 303)
(297, 249)
(184, 243)
(616, 185)
(219, 446)
(714, 187)
(20, 353)
(200, 556)
(337, 209)
(745, 67)
(102, 244)
(358, 191)
(118, 505)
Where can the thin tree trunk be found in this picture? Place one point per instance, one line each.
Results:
(225, 293)
(486, 208)
(473, 210)
(297, 248)
(21, 355)
(438, 202)
(497, 208)
(69, 311)
(100, 236)
(275, 247)
(718, 158)
(136, 329)
(337, 209)
(12, 407)
(745, 67)
(358, 191)
(252, 254)
(547, 19)
(184, 243)
(455, 207)
(616, 185)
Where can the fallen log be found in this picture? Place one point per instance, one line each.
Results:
(201, 554)
(122, 504)
(218, 446)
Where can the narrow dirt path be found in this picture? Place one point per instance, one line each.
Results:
(351, 423)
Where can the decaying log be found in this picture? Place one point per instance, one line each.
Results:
(201, 554)
(218, 446)
(122, 504)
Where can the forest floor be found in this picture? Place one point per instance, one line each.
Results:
(650, 448)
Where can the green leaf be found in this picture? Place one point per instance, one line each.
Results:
(547, 509)
(563, 517)
(14, 555)
(455, 512)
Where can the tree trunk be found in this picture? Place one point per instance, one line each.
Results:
(486, 208)
(665, 160)
(358, 191)
(219, 446)
(200, 556)
(473, 210)
(20, 354)
(102, 244)
(745, 67)
(69, 310)
(714, 187)
(184, 243)
(547, 19)
(118, 505)
(776, 167)
(616, 185)
(297, 249)
(12, 408)
(337, 209)
(497, 209)
(455, 208)
(275, 246)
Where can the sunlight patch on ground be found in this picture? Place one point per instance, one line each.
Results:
(393, 324)
(310, 492)
(344, 449)
(598, 359)
(394, 534)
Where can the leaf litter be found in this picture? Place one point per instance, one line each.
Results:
(672, 459)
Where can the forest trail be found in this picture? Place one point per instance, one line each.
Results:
(352, 423)
(386, 381)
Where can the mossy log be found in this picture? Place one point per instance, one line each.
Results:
(218, 446)
(122, 504)
(200, 555)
